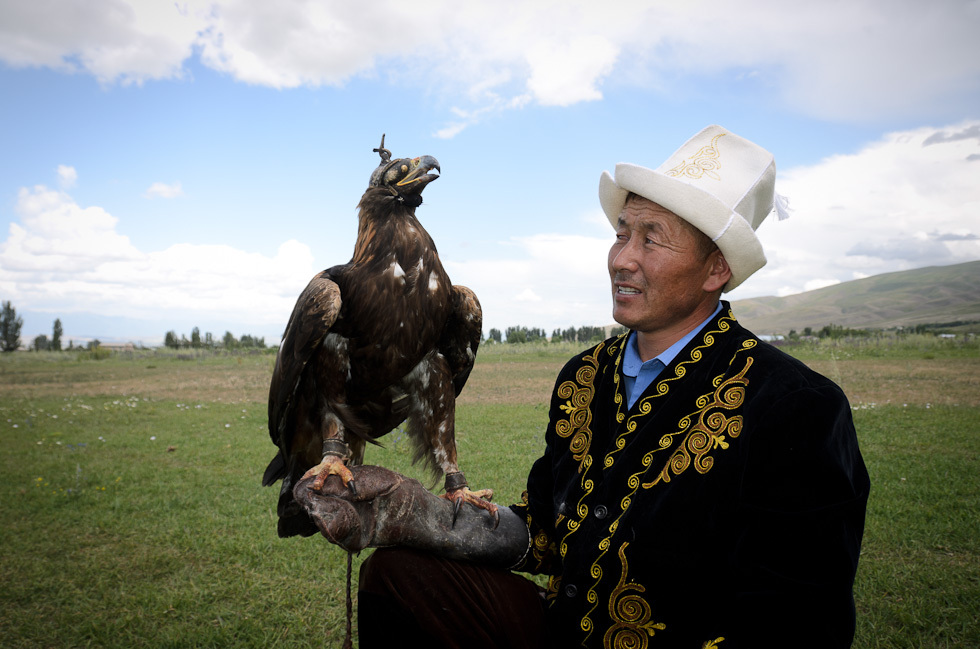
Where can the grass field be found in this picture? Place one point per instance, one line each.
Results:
(133, 516)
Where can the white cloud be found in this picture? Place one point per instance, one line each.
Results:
(126, 41)
(850, 61)
(909, 200)
(549, 281)
(814, 284)
(527, 295)
(67, 176)
(558, 69)
(163, 190)
(65, 258)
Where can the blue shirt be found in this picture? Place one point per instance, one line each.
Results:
(640, 375)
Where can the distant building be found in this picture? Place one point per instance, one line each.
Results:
(118, 347)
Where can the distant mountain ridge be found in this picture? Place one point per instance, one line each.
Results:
(935, 294)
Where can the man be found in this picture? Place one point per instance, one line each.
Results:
(698, 487)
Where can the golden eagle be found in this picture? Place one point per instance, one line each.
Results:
(372, 343)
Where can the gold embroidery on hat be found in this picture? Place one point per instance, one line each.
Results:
(703, 163)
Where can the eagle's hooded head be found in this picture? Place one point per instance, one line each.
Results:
(405, 178)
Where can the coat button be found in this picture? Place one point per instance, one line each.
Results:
(601, 511)
(571, 590)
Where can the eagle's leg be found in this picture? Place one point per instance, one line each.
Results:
(433, 422)
(335, 455)
(459, 492)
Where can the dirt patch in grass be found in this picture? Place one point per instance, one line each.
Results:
(494, 380)
(227, 379)
(948, 381)
(509, 381)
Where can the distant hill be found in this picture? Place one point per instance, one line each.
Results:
(936, 294)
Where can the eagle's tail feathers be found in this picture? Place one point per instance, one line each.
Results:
(275, 471)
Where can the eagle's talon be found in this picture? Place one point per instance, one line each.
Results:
(352, 487)
(330, 465)
(479, 499)
(457, 505)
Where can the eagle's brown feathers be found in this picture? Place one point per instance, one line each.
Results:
(383, 339)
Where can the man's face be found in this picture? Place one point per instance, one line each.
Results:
(658, 272)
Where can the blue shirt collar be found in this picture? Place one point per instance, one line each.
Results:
(631, 356)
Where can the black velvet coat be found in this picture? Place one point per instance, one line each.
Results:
(725, 509)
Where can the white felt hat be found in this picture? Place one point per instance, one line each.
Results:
(720, 183)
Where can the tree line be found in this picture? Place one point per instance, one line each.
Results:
(519, 334)
(10, 326)
(207, 341)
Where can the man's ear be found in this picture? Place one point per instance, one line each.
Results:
(718, 272)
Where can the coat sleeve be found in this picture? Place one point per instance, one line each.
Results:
(537, 506)
(802, 508)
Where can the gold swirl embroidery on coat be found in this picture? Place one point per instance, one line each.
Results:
(662, 388)
(551, 590)
(542, 547)
(619, 390)
(709, 429)
(702, 163)
(578, 397)
(663, 385)
(630, 613)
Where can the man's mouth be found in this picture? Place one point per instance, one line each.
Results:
(626, 290)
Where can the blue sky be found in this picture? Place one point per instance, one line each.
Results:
(171, 165)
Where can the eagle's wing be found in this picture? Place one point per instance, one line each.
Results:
(461, 336)
(315, 312)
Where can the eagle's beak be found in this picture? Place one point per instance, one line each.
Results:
(419, 174)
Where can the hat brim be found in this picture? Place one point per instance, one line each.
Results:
(729, 230)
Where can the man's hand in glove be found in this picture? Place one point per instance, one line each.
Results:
(390, 509)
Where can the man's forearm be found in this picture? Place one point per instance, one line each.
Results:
(390, 509)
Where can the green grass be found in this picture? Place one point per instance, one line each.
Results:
(112, 540)
(919, 577)
(912, 346)
(135, 521)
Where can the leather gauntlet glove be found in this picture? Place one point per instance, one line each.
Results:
(391, 509)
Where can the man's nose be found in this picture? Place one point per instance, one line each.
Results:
(626, 257)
